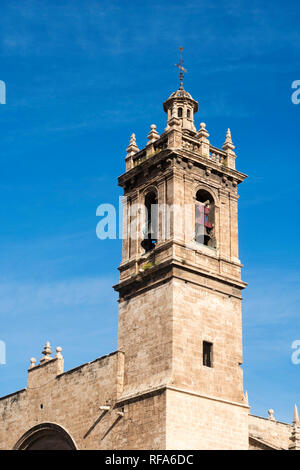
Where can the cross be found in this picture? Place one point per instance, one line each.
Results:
(181, 68)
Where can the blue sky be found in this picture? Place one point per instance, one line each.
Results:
(82, 76)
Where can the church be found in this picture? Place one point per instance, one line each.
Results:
(176, 380)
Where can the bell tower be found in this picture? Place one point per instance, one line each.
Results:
(180, 283)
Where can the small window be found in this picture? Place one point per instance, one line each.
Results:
(179, 112)
(188, 113)
(207, 354)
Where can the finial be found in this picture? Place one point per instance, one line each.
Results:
(132, 148)
(228, 144)
(203, 131)
(246, 397)
(296, 415)
(32, 363)
(132, 139)
(153, 134)
(271, 415)
(181, 68)
(47, 353)
(58, 353)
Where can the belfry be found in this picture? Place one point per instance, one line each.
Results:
(180, 286)
(176, 380)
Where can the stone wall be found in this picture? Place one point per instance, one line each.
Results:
(269, 431)
(71, 400)
(195, 422)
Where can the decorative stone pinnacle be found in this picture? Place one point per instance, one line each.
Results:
(132, 148)
(32, 363)
(202, 133)
(296, 415)
(271, 415)
(228, 144)
(153, 134)
(246, 397)
(58, 353)
(47, 353)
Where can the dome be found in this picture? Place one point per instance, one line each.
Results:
(180, 94)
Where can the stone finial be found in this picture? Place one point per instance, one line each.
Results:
(32, 363)
(132, 148)
(202, 133)
(246, 397)
(47, 353)
(295, 434)
(271, 415)
(296, 415)
(58, 353)
(153, 134)
(228, 144)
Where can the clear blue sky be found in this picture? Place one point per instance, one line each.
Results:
(82, 76)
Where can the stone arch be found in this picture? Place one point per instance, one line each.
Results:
(205, 217)
(46, 436)
(205, 187)
(150, 218)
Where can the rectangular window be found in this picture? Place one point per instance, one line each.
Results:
(207, 354)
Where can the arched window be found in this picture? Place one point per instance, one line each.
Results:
(179, 112)
(150, 230)
(188, 113)
(205, 219)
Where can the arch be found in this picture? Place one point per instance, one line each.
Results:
(205, 218)
(179, 112)
(209, 189)
(151, 219)
(46, 436)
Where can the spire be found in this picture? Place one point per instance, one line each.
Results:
(296, 416)
(132, 148)
(228, 144)
(295, 434)
(229, 149)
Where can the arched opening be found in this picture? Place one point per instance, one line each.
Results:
(205, 219)
(179, 112)
(150, 230)
(188, 113)
(46, 436)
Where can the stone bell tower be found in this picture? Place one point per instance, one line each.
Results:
(180, 284)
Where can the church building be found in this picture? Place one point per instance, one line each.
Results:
(176, 380)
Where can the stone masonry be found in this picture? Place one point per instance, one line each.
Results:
(177, 296)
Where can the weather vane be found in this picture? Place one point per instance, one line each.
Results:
(181, 68)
